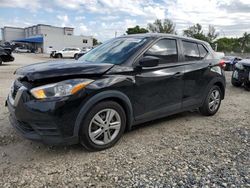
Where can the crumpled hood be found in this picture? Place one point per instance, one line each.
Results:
(52, 69)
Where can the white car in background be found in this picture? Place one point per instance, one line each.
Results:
(69, 52)
(22, 50)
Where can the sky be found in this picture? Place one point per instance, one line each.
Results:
(103, 18)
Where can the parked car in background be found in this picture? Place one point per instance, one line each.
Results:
(241, 74)
(22, 50)
(124, 82)
(230, 62)
(66, 52)
(82, 52)
(219, 55)
(5, 55)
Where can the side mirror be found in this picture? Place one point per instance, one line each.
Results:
(149, 61)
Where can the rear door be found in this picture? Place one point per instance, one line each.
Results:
(196, 72)
(158, 90)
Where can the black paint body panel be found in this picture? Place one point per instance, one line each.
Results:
(144, 93)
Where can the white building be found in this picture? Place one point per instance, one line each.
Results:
(45, 38)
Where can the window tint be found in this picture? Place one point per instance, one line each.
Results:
(203, 51)
(191, 51)
(165, 50)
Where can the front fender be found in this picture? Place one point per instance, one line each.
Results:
(102, 96)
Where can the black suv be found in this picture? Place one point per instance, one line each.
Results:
(241, 74)
(123, 82)
(5, 55)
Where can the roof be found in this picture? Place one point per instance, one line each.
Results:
(38, 39)
(158, 35)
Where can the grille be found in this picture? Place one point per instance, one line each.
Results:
(24, 126)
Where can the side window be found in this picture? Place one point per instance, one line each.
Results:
(191, 51)
(203, 51)
(165, 50)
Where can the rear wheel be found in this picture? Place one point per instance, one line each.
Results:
(212, 102)
(235, 82)
(103, 126)
(76, 56)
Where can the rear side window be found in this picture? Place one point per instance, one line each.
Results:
(165, 50)
(191, 51)
(203, 51)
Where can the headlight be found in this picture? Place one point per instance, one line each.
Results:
(64, 88)
(239, 66)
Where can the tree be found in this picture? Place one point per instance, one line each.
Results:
(245, 41)
(228, 45)
(212, 34)
(196, 31)
(135, 30)
(162, 26)
(95, 42)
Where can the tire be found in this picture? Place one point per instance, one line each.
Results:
(1, 61)
(247, 86)
(96, 141)
(235, 82)
(59, 56)
(207, 109)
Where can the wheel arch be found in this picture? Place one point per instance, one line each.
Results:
(222, 88)
(113, 95)
(220, 82)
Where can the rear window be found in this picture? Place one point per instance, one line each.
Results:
(191, 51)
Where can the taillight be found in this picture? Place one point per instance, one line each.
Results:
(222, 64)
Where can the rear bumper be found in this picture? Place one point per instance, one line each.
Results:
(43, 122)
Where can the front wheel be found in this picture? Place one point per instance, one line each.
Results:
(212, 102)
(103, 126)
(59, 56)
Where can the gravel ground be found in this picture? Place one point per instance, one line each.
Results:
(184, 150)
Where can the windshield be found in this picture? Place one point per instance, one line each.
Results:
(115, 51)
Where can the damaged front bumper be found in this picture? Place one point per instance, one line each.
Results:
(42, 121)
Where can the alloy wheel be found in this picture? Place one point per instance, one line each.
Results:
(104, 126)
(214, 100)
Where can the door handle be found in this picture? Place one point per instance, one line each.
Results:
(178, 74)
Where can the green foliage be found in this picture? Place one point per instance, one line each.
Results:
(245, 41)
(135, 30)
(162, 26)
(241, 44)
(95, 42)
(196, 31)
(228, 45)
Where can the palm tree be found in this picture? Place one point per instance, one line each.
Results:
(245, 41)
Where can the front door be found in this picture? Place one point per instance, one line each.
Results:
(158, 90)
